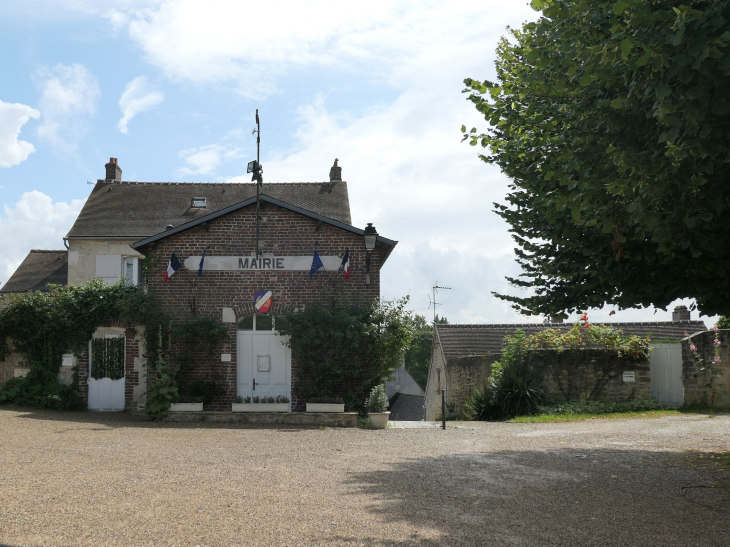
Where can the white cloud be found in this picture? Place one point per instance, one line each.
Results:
(12, 117)
(204, 160)
(68, 97)
(138, 96)
(33, 222)
(256, 44)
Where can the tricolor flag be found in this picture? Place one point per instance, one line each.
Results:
(346, 264)
(316, 264)
(172, 267)
(200, 268)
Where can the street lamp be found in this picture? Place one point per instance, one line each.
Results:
(370, 235)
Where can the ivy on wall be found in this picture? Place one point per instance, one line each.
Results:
(44, 326)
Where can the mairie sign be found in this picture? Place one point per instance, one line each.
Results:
(250, 263)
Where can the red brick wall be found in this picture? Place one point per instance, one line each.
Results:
(283, 233)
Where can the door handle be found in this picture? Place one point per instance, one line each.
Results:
(254, 384)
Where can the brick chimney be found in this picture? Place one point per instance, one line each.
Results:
(336, 173)
(680, 313)
(113, 171)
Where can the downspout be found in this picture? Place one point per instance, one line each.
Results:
(65, 242)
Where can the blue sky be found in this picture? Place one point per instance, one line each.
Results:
(170, 88)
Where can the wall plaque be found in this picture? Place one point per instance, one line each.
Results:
(629, 376)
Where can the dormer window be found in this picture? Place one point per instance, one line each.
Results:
(198, 203)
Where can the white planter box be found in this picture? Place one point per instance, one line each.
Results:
(260, 407)
(325, 407)
(379, 420)
(20, 372)
(186, 407)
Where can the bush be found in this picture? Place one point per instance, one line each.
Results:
(201, 390)
(516, 391)
(378, 400)
(479, 406)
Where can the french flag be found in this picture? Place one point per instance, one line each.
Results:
(172, 267)
(346, 264)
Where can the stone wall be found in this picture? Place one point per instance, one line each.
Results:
(283, 233)
(592, 376)
(463, 374)
(695, 372)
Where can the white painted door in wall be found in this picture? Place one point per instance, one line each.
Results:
(263, 366)
(665, 365)
(105, 393)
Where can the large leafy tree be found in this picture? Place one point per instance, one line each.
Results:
(612, 120)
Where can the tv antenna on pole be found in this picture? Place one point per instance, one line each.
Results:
(433, 302)
(255, 168)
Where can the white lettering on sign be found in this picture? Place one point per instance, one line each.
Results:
(629, 376)
(250, 263)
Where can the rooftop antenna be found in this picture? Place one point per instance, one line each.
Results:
(433, 302)
(255, 168)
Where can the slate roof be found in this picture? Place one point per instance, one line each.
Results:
(122, 209)
(464, 340)
(38, 269)
(407, 408)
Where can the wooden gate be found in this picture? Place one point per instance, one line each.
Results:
(665, 366)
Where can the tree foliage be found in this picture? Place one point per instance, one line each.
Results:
(346, 349)
(612, 120)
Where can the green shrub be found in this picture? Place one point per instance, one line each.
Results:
(516, 391)
(378, 400)
(201, 390)
(479, 406)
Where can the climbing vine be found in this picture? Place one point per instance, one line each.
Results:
(107, 358)
(44, 326)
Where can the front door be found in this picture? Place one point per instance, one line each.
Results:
(263, 364)
(106, 373)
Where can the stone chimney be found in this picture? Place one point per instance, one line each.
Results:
(335, 173)
(680, 313)
(113, 171)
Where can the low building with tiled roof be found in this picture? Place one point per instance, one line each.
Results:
(40, 269)
(462, 355)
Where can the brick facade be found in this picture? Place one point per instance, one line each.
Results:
(283, 233)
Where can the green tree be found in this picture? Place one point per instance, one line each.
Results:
(418, 355)
(612, 120)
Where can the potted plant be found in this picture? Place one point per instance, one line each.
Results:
(280, 403)
(326, 404)
(187, 403)
(377, 407)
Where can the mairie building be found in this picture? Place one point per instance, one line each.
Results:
(129, 230)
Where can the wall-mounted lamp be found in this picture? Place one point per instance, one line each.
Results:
(371, 237)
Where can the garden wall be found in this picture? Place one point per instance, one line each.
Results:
(591, 375)
(696, 375)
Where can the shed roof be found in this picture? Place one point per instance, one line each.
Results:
(464, 340)
(408, 408)
(123, 209)
(39, 269)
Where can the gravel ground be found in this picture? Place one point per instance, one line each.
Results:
(114, 479)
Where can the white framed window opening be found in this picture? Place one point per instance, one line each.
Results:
(133, 270)
(257, 322)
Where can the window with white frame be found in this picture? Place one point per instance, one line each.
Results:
(133, 270)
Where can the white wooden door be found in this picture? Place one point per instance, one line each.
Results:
(665, 365)
(263, 366)
(105, 393)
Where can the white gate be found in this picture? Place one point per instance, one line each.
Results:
(263, 364)
(665, 365)
(107, 391)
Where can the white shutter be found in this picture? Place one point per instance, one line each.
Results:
(109, 267)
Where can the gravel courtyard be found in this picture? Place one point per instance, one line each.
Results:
(115, 479)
